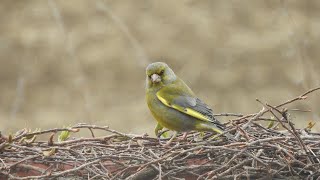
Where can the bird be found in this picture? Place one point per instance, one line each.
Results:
(174, 105)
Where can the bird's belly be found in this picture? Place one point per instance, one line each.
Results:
(171, 118)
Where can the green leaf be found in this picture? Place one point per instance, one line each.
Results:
(64, 135)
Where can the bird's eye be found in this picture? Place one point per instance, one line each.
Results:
(161, 72)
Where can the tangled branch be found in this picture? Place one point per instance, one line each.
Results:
(279, 150)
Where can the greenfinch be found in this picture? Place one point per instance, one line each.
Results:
(173, 104)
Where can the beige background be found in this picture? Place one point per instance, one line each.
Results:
(64, 62)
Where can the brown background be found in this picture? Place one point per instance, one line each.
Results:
(64, 62)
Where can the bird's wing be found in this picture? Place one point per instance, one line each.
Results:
(183, 100)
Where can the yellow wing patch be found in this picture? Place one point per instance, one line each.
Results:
(196, 114)
(188, 111)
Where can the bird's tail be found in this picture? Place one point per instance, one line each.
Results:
(217, 127)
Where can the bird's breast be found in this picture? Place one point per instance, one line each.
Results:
(169, 117)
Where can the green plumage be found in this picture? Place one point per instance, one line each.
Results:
(174, 105)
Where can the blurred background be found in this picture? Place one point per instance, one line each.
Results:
(65, 62)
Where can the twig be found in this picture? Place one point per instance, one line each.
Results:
(262, 153)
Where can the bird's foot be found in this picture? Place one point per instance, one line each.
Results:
(171, 139)
(184, 136)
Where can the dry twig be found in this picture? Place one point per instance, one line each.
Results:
(258, 152)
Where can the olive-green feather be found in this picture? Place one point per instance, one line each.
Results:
(174, 105)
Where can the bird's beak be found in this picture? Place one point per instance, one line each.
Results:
(155, 78)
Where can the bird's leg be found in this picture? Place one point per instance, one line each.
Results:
(171, 139)
(157, 129)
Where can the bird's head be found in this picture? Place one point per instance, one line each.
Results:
(159, 74)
